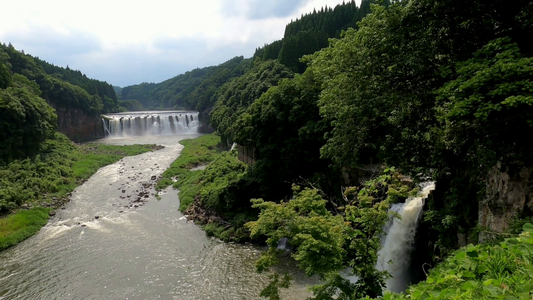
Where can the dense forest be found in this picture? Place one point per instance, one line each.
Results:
(437, 90)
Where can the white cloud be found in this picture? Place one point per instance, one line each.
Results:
(128, 42)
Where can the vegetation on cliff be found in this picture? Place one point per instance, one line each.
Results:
(440, 89)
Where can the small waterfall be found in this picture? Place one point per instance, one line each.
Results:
(106, 128)
(150, 123)
(394, 256)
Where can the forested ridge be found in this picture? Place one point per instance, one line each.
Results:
(61, 87)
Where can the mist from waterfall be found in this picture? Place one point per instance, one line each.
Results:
(150, 123)
(398, 243)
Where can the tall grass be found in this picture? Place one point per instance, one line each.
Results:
(18, 227)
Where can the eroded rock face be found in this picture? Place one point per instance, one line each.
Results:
(78, 125)
(508, 195)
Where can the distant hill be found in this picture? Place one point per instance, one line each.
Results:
(118, 91)
(200, 89)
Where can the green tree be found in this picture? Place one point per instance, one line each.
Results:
(286, 130)
(487, 110)
(26, 120)
(325, 243)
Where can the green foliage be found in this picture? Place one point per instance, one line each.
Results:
(427, 86)
(20, 226)
(325, 243)
(235, 96)
(503, 271)
(5, 76)
(131, 105)
(26, 120)
(495, 87)
(217, 181)
(286, 130)
(63, 87)
(222, 189)
(310, 33)
(197, 152)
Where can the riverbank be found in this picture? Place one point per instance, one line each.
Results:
(31, 189)
(211, 196)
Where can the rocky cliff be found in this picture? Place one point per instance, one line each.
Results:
(79, 125)
(509, 195)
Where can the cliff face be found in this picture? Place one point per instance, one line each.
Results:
(78, 125)
(508, 195)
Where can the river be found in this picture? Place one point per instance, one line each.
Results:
(98, 247)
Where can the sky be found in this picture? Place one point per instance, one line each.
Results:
(130, 42)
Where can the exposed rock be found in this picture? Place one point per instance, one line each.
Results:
(97, 217)
(508, 196)
(52, 213)
(78, 125)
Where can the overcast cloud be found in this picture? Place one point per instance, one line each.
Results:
(129, 42)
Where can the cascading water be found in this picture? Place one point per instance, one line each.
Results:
(150, 123)
(394, 256)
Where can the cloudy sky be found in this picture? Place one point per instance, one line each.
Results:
(129, 42)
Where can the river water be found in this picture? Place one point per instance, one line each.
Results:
(101, 247)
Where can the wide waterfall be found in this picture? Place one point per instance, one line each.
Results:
(394, 256)
(150, 123)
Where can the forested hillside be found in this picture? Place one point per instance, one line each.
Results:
(193, 90)
(62, 86)
(437, 90)
(78, 101)
(311, 32)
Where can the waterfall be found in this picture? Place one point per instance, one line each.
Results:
(150, 123)
(394, 256)
(106, 128)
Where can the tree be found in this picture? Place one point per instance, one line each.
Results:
(286, 130)
(487, 110)
(26, 120)
(325, 243)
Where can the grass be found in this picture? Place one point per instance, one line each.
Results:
(197, 152)
(222, 186)
(46, 180)
(21, 225)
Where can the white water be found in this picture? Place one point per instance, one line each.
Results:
(394, 256)
(150, 123)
